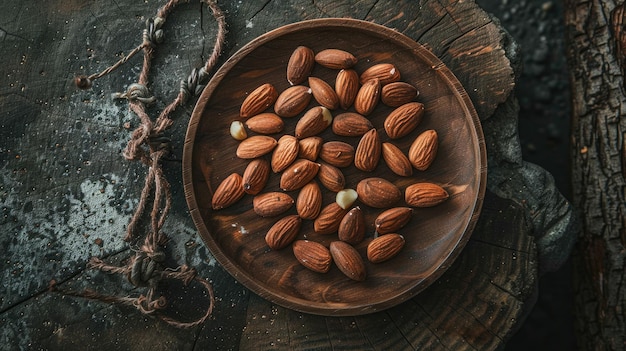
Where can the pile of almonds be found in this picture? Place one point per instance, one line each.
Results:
(306, 159)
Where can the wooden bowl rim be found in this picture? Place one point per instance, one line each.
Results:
(244, 277)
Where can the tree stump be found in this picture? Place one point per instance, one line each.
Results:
(596, 58)
(68, 194)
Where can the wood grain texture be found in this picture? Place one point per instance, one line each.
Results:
(65, 184)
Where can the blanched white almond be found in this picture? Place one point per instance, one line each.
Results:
(237, 130)
(346, 198)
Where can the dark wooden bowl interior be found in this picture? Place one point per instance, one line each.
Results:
(434, 236)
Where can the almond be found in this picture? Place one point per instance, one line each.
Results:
(378, 192)
(352, 227)
(313, 122)
(258, 100)
(403, 119)
(385, 72)
(337, 153)
(312, 255)
(345, 198)
(398, 93)
(425, 195)
(346, 87)
(391, 220)
(384, 247)
(309, 201)
(228, 192)
(237, 131)
(298, 174)
(331, 177)
(265, 123)
(327, 222)
(368, 151)
(310, 148)
(423, 150)
(395, 159)
(285, 153)
(348, 260)
(335, 59)
(368, 96)
(351, 124)
(283, 232)
(323, 93)
(272, 204)
(300, 65)
(255, 176)
(256, 146)
(292, 101)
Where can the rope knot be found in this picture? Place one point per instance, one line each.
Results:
(195, 82)
(143, 268)
(136, 92)
(155, 255)
(83, 82)
(153, 34)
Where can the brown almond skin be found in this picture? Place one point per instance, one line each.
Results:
(292, 101)
(283, 232)
(423, 150)
(327, 222)
(258, 100)
(384, 247)
(265, 123)
(337, 153)
(335, 59)
(310, 148)
(256, 146)
(298, 174)
(309, 201)
(323, 93)
(312, 255)
(385, 72)
(378, 192)
(331, 177)
(300, 65)
(395, 159)
(313, 122)
(368, 151)
(403, 120)
(228, 192)
(347, 86)
(368, 96)
(285, 153)
(352, 227)
(348, 260)
(351, 124)
(393, 219)
(398, 93)
(425, 195)
(255, 176)
(272, 204)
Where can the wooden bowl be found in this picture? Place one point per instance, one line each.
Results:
(434, 237)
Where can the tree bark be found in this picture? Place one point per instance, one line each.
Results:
(595, 33)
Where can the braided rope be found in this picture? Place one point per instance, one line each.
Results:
(148, 145)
